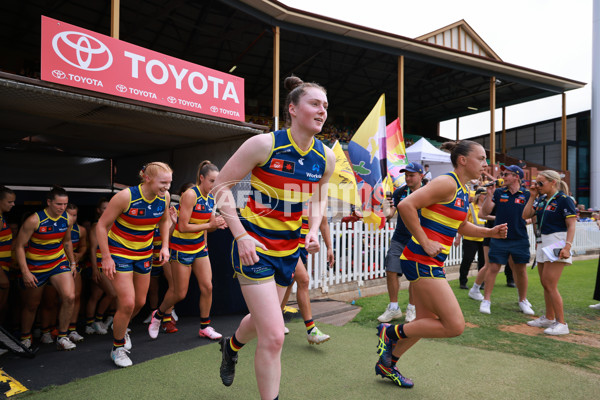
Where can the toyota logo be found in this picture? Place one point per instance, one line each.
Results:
(121, 88)
(171, 99)
(58, 74)
(82, 51)
(214, 109)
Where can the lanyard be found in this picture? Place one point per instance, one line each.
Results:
(544, 212)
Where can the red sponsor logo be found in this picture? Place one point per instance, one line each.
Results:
(133, 211)
(283, 166)
(276, 164)
(459, 203)
(42, 229)
(200, 207)
(519, 201)
(147, 264)
(141, 212)
(551, 207)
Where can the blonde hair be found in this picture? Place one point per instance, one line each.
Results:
(555, 177)
(153, 168)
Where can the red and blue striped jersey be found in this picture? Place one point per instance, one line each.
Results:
(5, 243)
(131, 235)
(193, 242)
(303, 230)
(45, 249)
(156, 247)
(75, 236)
(440, 222)
(279, 188)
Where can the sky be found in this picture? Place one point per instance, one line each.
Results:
(552, 36)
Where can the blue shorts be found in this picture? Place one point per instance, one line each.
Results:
(157, 270)
(303, 255)
(501, 249)
(281, 268)
(187, 259)
(414, 271)
(142, 267)
(44, 277)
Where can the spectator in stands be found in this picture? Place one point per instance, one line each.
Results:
(427, 175)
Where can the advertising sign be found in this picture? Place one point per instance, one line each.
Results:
(77, 57)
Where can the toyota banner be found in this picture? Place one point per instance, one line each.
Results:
(77, 57)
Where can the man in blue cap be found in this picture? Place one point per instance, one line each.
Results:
(413, 174)
(509, 201)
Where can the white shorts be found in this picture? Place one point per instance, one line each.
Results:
(547, 240)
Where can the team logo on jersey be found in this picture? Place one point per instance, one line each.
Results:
(147, 264)
(301, 161)
(551, 207)
(200, 207)
(519, 200)
(460, 203)
(283, 166)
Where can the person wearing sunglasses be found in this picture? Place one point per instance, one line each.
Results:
(509, 201)
(556, 216)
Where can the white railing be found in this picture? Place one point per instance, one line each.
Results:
(360, 253)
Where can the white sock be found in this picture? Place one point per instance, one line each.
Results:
(393, 306)
(476, 286)
(410, 306)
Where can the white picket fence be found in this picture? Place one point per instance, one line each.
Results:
(360, 253)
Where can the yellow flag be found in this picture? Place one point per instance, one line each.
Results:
(342, 184)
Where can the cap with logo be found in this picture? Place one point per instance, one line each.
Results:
(413, 167)
(515, 169)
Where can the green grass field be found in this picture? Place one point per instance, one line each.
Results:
(482, 363)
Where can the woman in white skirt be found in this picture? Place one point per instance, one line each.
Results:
(556, 218)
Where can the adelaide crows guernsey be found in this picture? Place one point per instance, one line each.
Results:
(440, 222)
(193, 242)
(5, 243)
(288, 178)
(45, 249)
(75, 236)
(131, 235)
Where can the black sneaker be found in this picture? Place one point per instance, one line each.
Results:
(227, 363)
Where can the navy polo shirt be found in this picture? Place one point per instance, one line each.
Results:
(509, 210)
(401, 234)
(555, 213)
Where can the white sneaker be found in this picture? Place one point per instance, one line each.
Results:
(174, 316)
(285, 330)
(316, 336)
(541, 322)
(47, 338)
(127, 340)
(89, 330)
(108, 322)
(75, 337)
(154, 326)
(411, 313)
(525, 307)
(120, 358)
(65, 344)
(99, 328)
(475, 294)
(210, 333)
(484, 307)
(390, 314)
(557, 329)
(26, 343)
(595, 306)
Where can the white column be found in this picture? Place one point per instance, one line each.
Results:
(595, 124)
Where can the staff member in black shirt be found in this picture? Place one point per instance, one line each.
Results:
(510, 201)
